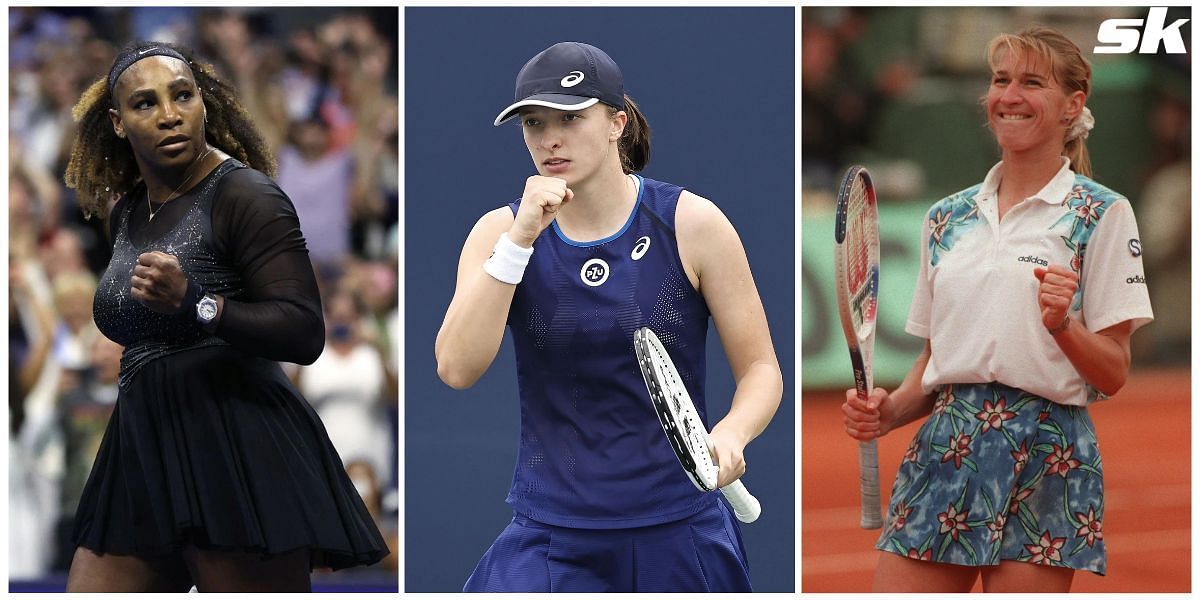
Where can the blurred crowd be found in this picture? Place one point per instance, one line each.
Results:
(898, 89)
(321, 85)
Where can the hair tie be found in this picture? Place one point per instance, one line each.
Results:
(1082, 125)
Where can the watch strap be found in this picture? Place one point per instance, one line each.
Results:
(1066, 322)
(187, 308)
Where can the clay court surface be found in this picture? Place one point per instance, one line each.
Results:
(1145, 440)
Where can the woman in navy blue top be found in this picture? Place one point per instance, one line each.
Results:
(589, 253)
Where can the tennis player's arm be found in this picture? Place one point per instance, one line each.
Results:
(713, 255)
(473, 328)
(278, 316)
(1101, 357)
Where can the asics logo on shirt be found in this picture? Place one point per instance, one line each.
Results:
(572, 79)
(1035, 260)
(594, 272)
(640, 248)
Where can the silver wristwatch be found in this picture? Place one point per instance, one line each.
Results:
(206, 309)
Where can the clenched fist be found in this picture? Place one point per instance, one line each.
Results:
(539, 206)
(158, 282)
(1056, 290)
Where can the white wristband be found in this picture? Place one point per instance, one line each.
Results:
(508, 260)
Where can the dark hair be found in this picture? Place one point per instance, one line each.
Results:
(634, 145)
(102, 165)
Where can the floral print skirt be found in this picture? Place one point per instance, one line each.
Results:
(998, 474)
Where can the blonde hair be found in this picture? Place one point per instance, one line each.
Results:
(1068, 67)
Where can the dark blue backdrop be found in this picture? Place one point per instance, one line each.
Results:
(717, 86)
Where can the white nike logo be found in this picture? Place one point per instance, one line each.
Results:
(141, 52)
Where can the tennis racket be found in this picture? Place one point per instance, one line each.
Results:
(856, 252)
(682, 424)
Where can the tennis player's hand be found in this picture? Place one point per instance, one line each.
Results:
(158, 282)
(870, 419)
(1056, 290)
(539, 206)
(727, 447)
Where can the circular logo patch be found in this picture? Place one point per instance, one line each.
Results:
(594, 272)
(1135, 247)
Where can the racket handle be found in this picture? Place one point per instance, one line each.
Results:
(868, 466)
(745, 507)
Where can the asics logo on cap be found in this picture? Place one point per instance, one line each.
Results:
(572, 79)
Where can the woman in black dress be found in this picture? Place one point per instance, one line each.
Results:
(214, 471)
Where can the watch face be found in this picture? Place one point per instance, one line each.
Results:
(206, 309)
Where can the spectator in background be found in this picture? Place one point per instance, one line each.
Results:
(1165, 210)
(48, 129)
(842, 102)
(84, 410)
(254, 64)
(73, 337)
(346, 384)
(62, 252)
(33, 449)
(302, 78)
(318, 179)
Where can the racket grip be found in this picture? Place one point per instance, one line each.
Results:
(868, 465)
(745, 507)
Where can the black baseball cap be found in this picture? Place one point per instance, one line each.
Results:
(567, 76)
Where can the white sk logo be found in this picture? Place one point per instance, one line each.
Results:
(572, 79)
(1122, 35)
(594, 272)
(640, 248)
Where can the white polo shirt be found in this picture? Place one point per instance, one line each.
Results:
(976, 295)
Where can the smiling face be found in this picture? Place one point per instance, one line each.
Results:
(572, 145)
(160, 111)
(1027, 108)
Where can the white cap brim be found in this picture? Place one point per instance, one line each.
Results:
(540, 100)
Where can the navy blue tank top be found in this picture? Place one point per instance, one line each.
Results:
(592, 453)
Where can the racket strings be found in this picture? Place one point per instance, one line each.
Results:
(862, 243)
(684, 416)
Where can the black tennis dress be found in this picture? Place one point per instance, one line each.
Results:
(210, 444)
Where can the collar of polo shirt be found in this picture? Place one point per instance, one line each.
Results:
(1052, 193)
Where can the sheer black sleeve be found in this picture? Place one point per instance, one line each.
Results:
(279, 316)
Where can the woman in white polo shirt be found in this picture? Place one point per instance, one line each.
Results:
(1031, 284)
